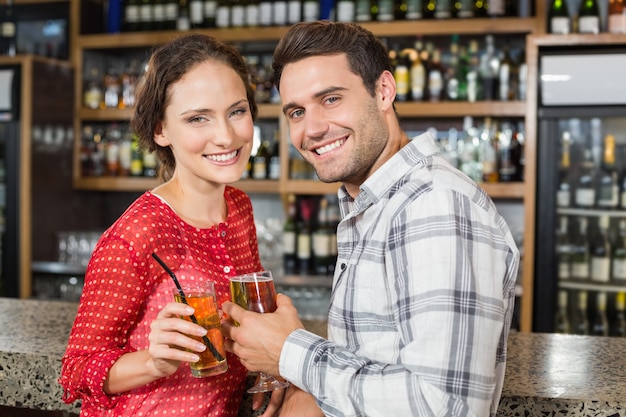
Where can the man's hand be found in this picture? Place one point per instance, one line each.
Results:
(259, 338)
(298, 403)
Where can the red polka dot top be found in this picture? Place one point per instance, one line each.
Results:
(124, 290)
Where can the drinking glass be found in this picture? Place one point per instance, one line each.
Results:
(255, 292)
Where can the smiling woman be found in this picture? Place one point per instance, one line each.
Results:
(195, 109)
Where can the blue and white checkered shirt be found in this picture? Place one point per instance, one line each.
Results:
(422, 299)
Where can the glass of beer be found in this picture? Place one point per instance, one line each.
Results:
(201, 296)
(255, 292)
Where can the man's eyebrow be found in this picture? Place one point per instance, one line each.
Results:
(329, 90)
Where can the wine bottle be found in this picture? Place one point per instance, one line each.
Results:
(563, 249)
(600, 322)
(237, 13)
(582, 320)
(601, 252)
(618, 257)
(265, 13)
(618, 328)
(443, 9)
(294, 12)
(607, 195)
(413, 10)
(289, 236)
(251, 19)
(589, 17)
(559, 20)
(183, 21)
(580, 264)
(561, 320)
(311, 10)
(345, 10)
(280, 13)
(496, 8)
(146, 15)
(171, 14)
(261, 161)
(196, 13)
(321, 240)
(617, 16)
(210, 13)
(564, 190)
(401, 76)
(480, 8)
(585, 187)
(222, 15)
(384, 11)
(303, 244)
(399, 9)
(131, 16)
(463, 9)
(417, 75)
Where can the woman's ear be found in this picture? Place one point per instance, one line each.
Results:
(159, 136)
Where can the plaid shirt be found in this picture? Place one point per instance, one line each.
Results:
(422, 299)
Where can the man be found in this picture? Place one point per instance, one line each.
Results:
(423, 291)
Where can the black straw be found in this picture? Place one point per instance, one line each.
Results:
(207, 342)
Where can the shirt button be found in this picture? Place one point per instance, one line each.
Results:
(223, 233)
(343, 266)
(227, 269)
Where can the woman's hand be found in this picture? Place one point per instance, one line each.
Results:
(170, 337)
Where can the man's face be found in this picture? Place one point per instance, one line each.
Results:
(334, 122)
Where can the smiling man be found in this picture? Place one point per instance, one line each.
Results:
(423, 291)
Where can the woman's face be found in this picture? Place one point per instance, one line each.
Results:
(208, 124)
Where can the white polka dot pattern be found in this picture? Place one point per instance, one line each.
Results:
(124, 290)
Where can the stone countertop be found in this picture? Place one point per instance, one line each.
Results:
(547, 374)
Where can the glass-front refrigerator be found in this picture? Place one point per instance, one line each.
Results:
(580, 226)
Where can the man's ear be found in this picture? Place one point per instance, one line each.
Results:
(386, 90)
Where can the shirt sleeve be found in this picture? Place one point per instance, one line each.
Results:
(107, 311)
(447, 275)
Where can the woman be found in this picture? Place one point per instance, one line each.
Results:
(129, 350)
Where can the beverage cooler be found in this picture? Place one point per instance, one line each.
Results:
(580, 226)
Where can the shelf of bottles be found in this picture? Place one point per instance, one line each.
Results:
(588, 18)
(591, 228)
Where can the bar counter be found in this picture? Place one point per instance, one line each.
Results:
(547, 374)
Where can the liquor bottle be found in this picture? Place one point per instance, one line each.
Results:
(582, 319)
(580, 267)
(607, 195)
(443, 9)
(294, 11)
(417, 75)
(237, 13)
(399, 9)
(559, 20)
(303, 237)
(289, 236)
(564, 190)
(149, 164)
(435, 77)
(279, 10)
(453, 72)
(131, 16)
(266, 10)
(601, 252)
(362, 11)
(617, 16)
(384, 11)
(563, 249)
(311, 10)
(8, 30)
(92, 93)
(146, 18)
(413, 10)
(561, 319)
(171, 14)
(506, 77)
(159, 20)
(496, 8)
(600, 322)
(222, 16)
(136, 158)
(618, 328)
(183, 22)
(585, 196)
(507, 166)
(273, 169)
(210, 13)
(196, 13)
(589, 17)
(401, 76)
(488, 152)
(618, 257)
(251, 19)
(261, 161)
(489, 67)
(333, 221)
(480, 8)
(321, 240)
(463, 9)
